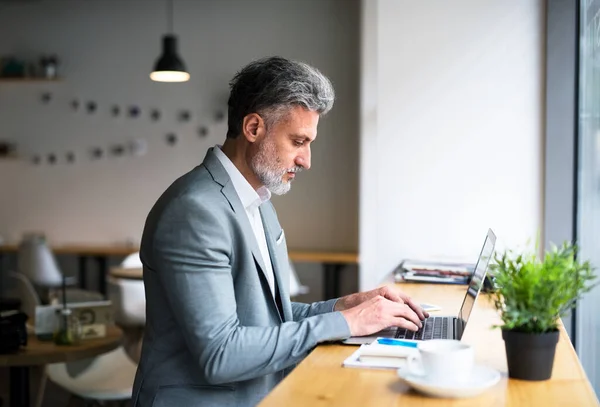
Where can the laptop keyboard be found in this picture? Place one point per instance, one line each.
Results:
(433, 328)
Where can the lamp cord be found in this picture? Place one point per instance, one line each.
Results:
(170, 15)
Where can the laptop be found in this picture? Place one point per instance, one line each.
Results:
(443, 327)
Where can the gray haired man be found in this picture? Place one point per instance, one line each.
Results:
(220, 328)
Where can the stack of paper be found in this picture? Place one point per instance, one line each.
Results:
(379, 356)
(433, 272)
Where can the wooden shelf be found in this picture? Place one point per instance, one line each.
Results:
(28, 80)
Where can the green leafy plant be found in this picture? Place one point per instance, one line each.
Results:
(532, 294)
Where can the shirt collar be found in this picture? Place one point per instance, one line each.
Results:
(246, 193)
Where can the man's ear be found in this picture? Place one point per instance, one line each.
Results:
(253, 127)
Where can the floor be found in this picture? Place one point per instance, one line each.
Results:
(54, 396)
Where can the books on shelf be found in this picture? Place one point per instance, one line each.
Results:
(433, 272)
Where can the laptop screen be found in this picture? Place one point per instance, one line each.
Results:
(476, 282)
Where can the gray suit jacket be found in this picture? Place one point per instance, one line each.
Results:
(215, 335)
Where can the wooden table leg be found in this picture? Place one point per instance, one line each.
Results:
(331, 280)
(82, 271)
(102, 273)
(19, 386)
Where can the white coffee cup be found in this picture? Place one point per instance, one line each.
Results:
(443, 361)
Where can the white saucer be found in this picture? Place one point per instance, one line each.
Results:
(482, 378)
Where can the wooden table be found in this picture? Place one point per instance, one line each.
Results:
(133, 273)
(321, 381)
(84, 253)
(333, 262)
(38, 353)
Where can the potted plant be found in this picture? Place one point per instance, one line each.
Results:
(531, 295)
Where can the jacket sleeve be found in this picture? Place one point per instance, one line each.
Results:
(191, 253)
(302, 311)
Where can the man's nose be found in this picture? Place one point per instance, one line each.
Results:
(303, 160)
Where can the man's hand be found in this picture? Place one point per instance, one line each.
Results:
(379, 313)
(389, 292)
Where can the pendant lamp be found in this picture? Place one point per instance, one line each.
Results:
(169, 67)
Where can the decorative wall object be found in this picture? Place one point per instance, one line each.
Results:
(117, 150)
(203, 131)
(171, 139)
(46, 97)
(91, 107)
(97, 153)
(184, 116)
(155, 115)
(136, 147)
(134, 111)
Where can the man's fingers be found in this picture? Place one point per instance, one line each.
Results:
(406, 312)
(404, 323)
(412, 316)
(391, 294)
(417, 308)
(398, 296)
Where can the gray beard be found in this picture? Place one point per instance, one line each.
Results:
(267, 172)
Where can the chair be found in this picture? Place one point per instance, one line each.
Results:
(129, 299)
(295, 287)
(108, 377)
(132, 261)
(20, 287)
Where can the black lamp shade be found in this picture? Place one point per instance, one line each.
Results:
(169, 67)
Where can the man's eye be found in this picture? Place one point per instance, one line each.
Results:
(298, 143)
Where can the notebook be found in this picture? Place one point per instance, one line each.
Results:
(379, 356)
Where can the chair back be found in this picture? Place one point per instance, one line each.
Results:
(132, 261)
(20, 287)
(129, 301)
(36, 261)
(296, 288)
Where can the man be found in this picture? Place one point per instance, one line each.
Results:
(220, 329)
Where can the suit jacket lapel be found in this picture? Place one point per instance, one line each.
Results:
(220, 176)
(229, 192)
(277, 267)
(212, 163)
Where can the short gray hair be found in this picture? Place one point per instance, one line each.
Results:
(271, 86)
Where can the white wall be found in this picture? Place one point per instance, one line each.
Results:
(451, 128)
(107, 50)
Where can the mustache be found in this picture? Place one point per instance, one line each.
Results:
(297, 168)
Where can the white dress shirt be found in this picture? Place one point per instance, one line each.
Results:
(251, 200)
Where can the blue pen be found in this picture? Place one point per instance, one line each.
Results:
(396, 342)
